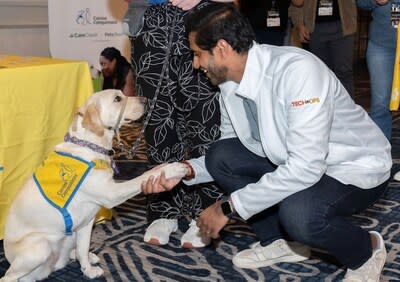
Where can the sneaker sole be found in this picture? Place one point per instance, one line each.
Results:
(255, 265)
(188, 245)
(155, 242)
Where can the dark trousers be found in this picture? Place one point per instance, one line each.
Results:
(315, 216)
(335, 50)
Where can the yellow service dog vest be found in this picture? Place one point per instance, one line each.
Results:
(60, 176)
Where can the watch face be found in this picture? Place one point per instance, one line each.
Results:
(226, 208)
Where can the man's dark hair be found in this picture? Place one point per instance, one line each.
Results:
(220, 21)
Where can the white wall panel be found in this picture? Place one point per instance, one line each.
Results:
(24, 28)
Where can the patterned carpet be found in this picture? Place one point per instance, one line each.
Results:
(124, 256)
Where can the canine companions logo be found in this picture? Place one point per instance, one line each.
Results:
(83, 17)
(303, 102)
(68, 176)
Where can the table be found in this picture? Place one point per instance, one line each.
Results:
(38, 98)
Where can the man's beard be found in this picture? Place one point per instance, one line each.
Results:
(216, 75)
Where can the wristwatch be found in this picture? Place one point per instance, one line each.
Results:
(226, 207)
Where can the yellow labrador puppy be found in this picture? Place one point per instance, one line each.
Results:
(50, 221)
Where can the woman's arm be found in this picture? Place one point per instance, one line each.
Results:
(370, 4)
(129, 88)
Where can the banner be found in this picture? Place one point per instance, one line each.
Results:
(81, 29)
(395, 98)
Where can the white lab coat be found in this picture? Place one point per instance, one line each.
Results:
(308, 124)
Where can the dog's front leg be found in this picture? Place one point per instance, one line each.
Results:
(125, 190)
(82, 252)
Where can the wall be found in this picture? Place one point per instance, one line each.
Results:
(24, 27)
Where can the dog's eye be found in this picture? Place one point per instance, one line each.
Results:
(117, 99)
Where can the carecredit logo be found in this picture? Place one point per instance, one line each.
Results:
(84, 17)
(83, 35)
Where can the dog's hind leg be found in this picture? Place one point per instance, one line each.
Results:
(82, 252)
(32, 261)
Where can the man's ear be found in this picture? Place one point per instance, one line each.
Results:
(92, 121)
(223, 47)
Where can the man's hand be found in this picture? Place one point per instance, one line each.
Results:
(185, 4)
(159, 184)
(304, 35)
(212, 220)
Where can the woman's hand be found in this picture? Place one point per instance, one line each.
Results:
(185, 4)
(382, 2)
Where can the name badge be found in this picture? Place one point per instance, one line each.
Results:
(273, 18)
(325, 8)
(395, 15)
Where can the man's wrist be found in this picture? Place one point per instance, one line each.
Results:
(227, 207)
(190, 175)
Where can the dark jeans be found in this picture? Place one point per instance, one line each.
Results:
(315, 216)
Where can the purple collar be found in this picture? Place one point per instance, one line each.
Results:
(87, 144)
(93, 147)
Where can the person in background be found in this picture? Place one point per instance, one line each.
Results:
(381, 53)
(269, 19)
(117, 71)
(297, 2)
(328, 26)
(296, 155)
(184, 120)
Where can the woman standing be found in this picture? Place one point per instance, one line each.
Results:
(381, 53)
(184, 118)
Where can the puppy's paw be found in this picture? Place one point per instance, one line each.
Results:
(93, 258)
(93, 272)
(175, 170)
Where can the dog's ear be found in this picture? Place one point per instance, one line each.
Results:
(91, 120)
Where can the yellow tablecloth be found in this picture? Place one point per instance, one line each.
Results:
(38, 98)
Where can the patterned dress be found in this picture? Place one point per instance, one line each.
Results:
(185, 119)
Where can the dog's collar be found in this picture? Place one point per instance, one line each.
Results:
(87, 144)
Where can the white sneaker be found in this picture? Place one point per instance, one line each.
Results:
(159, 231)
(371, 270)
(278, 251)
(193, 239)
